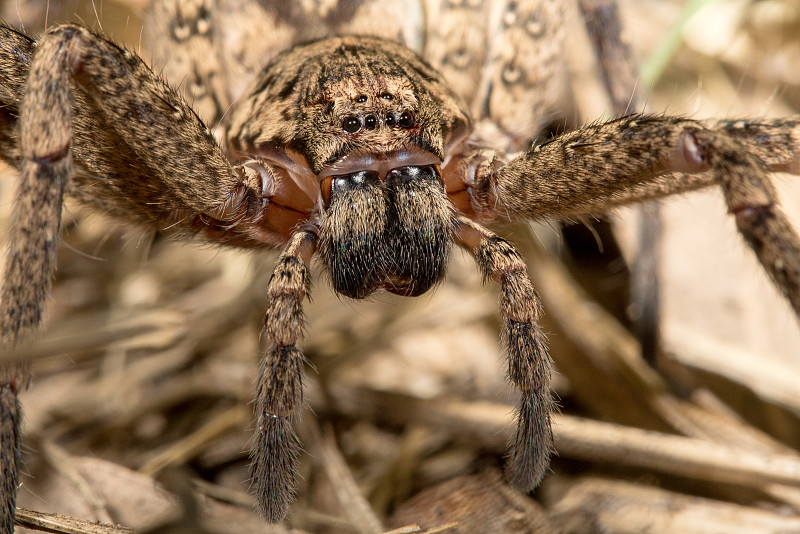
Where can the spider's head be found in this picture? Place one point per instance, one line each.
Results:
(377, 146)
(360, 128)
(386, 220)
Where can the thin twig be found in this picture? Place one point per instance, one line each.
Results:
(61, 524)
(348, 494)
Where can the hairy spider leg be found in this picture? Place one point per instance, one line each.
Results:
(529, 364)
(602, 166)
(279, 396)
(44, 142)
(164, 161)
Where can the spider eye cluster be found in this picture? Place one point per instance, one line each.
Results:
(354, 123)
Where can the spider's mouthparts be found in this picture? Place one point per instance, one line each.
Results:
(380, 162)
(394, 233)
(356, 166)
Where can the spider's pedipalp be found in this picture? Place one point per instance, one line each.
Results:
(529, 364)
(279, 396)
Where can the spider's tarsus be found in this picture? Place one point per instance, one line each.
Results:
(274, 458)
(9, 454)
(529, 369)
(274, 467)
(530, 451)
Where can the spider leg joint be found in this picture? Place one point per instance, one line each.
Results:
(690, 154)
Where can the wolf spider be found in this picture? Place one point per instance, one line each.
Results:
(353, 149)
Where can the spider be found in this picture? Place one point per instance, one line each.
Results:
(353, 149)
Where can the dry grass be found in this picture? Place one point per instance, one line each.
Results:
(140, 411)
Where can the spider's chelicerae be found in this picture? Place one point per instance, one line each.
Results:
(358, 151)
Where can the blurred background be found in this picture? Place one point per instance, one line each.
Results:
(140, 413)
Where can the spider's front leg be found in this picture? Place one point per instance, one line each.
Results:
(279, 395)
(529, 364)
(80, 114)
(44, 145)
(640, 157)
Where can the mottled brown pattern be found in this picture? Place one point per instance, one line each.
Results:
(314, 88)
(354, 148)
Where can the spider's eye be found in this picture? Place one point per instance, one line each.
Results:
(406, 120)
(370, 122)
(180, 30)
(351, 124)
(361, 99)
(389, 120)
(386, 95)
